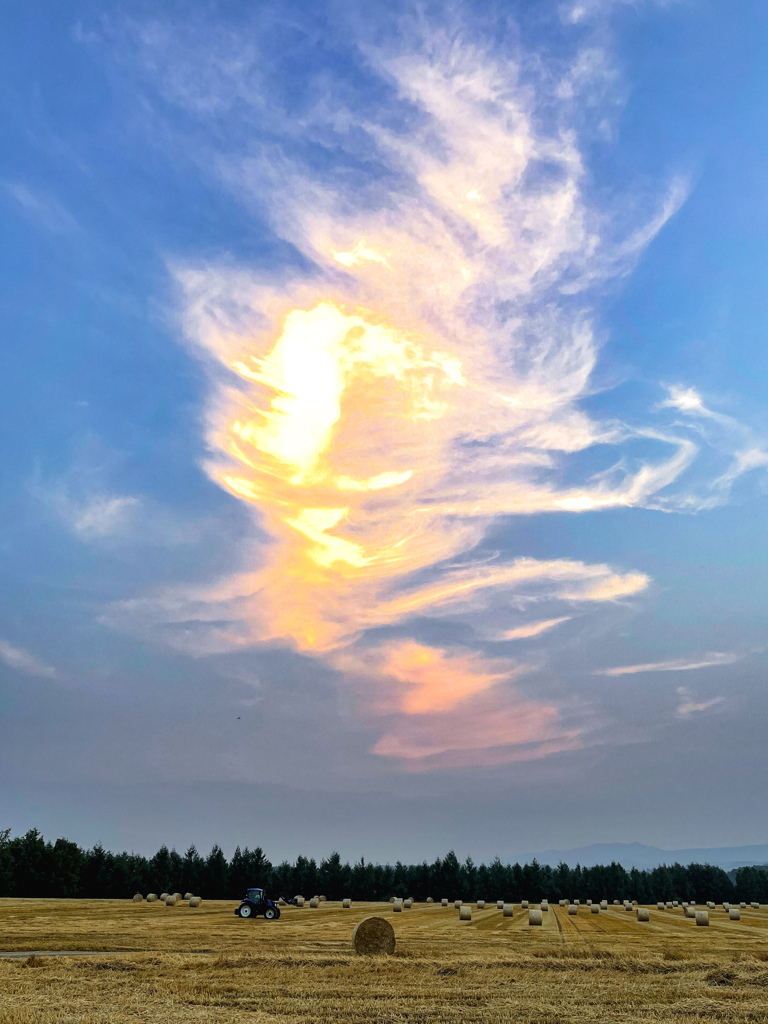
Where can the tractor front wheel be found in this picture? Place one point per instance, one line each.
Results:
(271, 913)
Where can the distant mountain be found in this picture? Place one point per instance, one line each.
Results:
(638, 855)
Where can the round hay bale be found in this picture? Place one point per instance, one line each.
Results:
(465, 913)
(323, 899)
(634, 903)
(595, 908)
(499, 904)
(443, 903)
(743, 906)
(170, 901)
(573, 909)
(616, 903)
(562, 903)
(734, 914)
(577, 902)
(397, 907)
(194, 901)
(535, 917)
(755, 906)
(346, 904)
(188, 895)
(456, 904)
(675, 903)
(643, 914)
(726, 906)
(314, 902)
(685, 904)
(178, 896)
(702, 918)
(524, 904)
(689, 912)
(670, 905)
(481, 904)
(408, 903)
(151, 897)
(589, 903)
(298, 901)
(138, 898)
(507, 910)
(430, 900)
(603, 904)
(545, 906)
(164, 896)
(372, 936)
(660, 906)
(629, 907)
(710, 905)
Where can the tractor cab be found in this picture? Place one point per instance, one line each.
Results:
(256, 902)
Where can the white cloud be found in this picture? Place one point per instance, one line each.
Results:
(44, 210)
(674, 664)
(23, 661)
(690, 706)
(534, 629)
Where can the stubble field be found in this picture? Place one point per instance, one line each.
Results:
(153, 963)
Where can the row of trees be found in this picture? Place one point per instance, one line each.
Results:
(30, 866)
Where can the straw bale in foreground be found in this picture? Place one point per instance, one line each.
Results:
(373, 935)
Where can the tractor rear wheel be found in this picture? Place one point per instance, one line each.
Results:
(246, 910)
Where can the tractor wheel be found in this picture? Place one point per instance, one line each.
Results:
(246, 910)
(271, 913)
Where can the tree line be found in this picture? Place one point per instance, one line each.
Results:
(31, 866)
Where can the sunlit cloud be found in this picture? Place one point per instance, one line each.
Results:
(380, 411)
(674, 665)
(22, 661)
(534, 629)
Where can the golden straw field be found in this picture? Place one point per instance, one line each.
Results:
(153, 963)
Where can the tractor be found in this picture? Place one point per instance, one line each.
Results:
(257, 902)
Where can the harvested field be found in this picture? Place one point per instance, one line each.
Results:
(173, 964)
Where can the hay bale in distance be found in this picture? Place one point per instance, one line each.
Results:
(372, 936)
(397, 907)
(535, 917)
(734, 914)
(524, 904)
(188, 895)
(407, 904)
(702, 918)
(138, 898)
(595, 908)
(346, 904)
(577, 902)
(298, 901)
(689, 912)
(573, 909)
(314, 902)
(616, 903)
(465, 913)
(660, 906)
(507, 910)
(194, 901)
(629, 907)
(170, 901)
(481, 904)
(675, 903)
(323, 899)
(545, 905)
(755, 906)
(151, 897)
(562, 903)
(164, 896)
(456, 904)
(643, 914)
(603, 904)
(430, 900)
(743, 906)
(443, 903)
(670, 904)
(589, 903)
(499, 904)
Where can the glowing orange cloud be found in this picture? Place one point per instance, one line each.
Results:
(378, 414)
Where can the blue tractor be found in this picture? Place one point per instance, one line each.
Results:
(257, 902)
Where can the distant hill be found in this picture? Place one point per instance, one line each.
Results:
(638, 855)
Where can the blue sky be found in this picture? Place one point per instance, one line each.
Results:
(513, 566)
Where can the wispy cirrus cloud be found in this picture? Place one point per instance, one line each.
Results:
(675, 664)
(22, 661)
(689, 705)
(422, 374)
(41, 208)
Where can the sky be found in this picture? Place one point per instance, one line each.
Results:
(384, 425)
